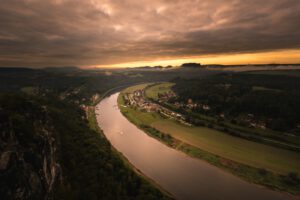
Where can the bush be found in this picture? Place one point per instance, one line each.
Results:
(262, 171)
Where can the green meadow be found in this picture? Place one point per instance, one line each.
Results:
(255, 162)
(153, 91)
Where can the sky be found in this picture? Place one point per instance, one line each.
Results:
(122, 33)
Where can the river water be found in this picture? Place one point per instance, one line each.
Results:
(184, 177)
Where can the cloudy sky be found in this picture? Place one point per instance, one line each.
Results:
(87, 33)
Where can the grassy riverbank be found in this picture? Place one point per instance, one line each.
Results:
(252, 161)
(154, 90)
(264, 136)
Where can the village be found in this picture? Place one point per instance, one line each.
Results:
(249, 120)
(138, 100)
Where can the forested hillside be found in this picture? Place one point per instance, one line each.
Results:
(48, 151)
(272, 100)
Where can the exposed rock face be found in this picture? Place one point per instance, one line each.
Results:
(28, 164)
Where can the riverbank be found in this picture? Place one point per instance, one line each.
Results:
(264, 136)
(261, 176)
(92, 119)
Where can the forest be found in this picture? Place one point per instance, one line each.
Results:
(272, 100)
(49, 148)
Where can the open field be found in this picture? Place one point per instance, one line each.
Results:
(153, 91)
(136, 87)
(137, 117)
(265, 136)
(234, 148)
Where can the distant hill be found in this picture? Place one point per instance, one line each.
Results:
(62, 69)
(191, 65)
(150, 67)
(15, 69)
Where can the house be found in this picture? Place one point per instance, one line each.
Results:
(206, 107)
(177, 104)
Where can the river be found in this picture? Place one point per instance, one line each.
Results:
(184, 177)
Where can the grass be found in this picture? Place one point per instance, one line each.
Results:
(234, 148)
(214, 141)
(260, 176)
(255, 162)
(138, 117)
(91, 116)
(154, 90)
(136, 87)
(227, 146)
(265, 136)
(135, 115)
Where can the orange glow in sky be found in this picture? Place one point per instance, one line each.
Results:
(281, 57)
(133, 33)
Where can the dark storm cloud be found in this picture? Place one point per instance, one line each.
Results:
(95, 32)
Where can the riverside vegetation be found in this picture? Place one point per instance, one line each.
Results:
(51, 146)
(269, 164)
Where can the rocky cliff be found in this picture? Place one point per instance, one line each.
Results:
(28, 164)
(48, 151)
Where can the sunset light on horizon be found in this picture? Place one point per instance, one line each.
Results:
(106, 33)
(276, 57)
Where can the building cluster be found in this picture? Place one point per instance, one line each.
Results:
(173, 115)
(95, 97)
(252, 122)
(191, 105)
(137, 99)
(163, 97)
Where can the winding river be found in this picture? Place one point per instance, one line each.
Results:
(184, 177)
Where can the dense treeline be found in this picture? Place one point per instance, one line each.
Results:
(92, 169)
(272, 99)
(76, 84)
(88, 167)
